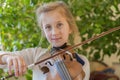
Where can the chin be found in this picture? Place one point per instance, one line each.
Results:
(57, 45)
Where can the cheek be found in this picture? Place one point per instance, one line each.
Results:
(47, 35)
(66, 34)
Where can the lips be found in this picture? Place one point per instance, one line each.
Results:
(55, 39)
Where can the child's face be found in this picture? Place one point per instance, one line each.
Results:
(56, 28)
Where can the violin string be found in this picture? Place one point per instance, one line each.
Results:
(62, 70)
(66, 73)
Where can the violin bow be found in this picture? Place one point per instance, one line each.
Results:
(79, 44)
(72, 47)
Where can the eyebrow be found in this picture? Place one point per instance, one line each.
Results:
(47, 24)
(56, 22)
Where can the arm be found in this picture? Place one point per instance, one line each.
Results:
(27, 56)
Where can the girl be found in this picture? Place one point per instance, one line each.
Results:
(58, 26)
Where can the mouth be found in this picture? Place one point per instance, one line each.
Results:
(55, 39)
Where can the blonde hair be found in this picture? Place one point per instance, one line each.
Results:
(65, 11)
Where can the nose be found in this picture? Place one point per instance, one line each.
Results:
(55, 31)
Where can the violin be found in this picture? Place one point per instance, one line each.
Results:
(62, 61)
(63, 67)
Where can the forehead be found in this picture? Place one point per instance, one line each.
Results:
(51, 16)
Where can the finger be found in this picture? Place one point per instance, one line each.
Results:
(16, 70)
(10, 63)
(24, 67)
(21, 66)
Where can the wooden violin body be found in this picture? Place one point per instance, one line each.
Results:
(74, 68)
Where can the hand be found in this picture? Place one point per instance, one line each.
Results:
(17, 63)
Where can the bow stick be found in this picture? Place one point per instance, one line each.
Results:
(67, 49)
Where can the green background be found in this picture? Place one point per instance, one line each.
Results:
(19, 30)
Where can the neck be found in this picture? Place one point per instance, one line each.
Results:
(61, 47)
(53, 49)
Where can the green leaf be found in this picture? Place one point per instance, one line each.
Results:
(97, 55)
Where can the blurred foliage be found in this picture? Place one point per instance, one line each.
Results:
(95, 17)
(1, 71)
(19, 30)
